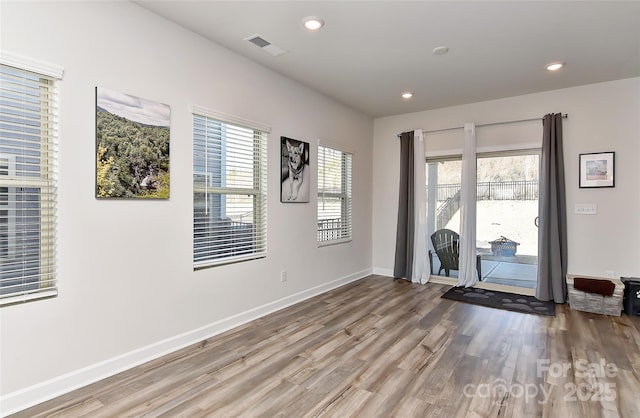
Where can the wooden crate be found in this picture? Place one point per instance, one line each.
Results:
(593, 302)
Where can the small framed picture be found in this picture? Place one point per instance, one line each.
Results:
(295, 174)
(597, 169)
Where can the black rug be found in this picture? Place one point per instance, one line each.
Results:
(501, 300)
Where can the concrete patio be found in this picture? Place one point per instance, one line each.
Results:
(518, 270)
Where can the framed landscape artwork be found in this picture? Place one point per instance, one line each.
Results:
(295, 181)
(597, 169)
(132, 146)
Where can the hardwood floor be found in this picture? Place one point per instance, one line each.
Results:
(381, 348)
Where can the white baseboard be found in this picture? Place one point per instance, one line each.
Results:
(383, 272)
(41, 392)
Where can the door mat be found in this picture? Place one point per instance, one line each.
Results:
(501, 300)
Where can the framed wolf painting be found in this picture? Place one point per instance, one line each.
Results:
(295, 174)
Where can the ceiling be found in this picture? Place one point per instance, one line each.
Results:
(370, 51)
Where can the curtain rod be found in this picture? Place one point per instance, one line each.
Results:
(564, 116)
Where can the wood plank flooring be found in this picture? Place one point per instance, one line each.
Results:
(380, 347)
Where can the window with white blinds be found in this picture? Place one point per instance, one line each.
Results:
(334, 196)
(229, 192)
(28, 152)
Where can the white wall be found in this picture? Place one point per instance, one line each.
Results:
(127, 289)
(602, 117)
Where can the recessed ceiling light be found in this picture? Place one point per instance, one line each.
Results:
(555, 66)
(407, 95)
(313, 22)
(440, 50)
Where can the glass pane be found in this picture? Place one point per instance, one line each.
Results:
(4, 222)
(20, 268)
(444, 180)
(330, 223)
(334, 194)
(329, 170)
(21, 120)
(240, 158)
(224, 226)
(507, 208)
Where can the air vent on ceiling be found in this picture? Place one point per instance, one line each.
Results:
(258, 41)
(265, 45)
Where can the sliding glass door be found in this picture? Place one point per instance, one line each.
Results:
(444, 182)
(506, 220)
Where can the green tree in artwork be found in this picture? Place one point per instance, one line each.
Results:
(162, 190)
(133, 158)
(105, 184)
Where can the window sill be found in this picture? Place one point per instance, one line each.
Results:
(227, 260)
(333, 242)
(28, 297)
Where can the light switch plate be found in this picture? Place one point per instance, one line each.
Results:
(586, 209)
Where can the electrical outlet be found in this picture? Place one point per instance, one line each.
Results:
(609, 273)
(283, 276)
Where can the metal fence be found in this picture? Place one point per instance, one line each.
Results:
(449, 195)
(330, 229)
(494, 190)
(447, 191)
(508, 190)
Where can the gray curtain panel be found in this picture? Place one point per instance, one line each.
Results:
(403, 265)
(552, 230)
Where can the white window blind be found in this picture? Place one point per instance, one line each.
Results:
(28, 152)
(334, 195)
(229, 192)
